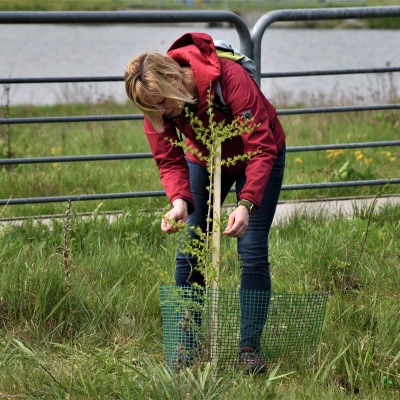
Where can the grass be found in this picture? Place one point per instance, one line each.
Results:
(104, 5)
(115, 347)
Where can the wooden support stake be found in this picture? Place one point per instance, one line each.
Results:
(216, 242)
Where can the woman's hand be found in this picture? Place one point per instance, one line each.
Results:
(238, 222)
(174, 219)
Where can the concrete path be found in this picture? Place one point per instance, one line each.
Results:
(332, 207)
(328, 207)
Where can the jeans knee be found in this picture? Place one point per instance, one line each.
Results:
(255, 269)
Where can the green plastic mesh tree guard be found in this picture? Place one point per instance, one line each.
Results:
(203, 325)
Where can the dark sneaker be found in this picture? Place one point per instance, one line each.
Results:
(251, 362)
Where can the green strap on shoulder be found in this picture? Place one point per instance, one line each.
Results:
(230, 56)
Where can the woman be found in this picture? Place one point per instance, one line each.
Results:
(161, 86)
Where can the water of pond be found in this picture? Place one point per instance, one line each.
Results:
(103, 50)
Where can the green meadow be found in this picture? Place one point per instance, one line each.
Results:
(115, 137)
(252, 7)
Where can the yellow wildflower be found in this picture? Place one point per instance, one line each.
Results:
(359, 155)
(55, 150)
(333, 153)
(329, 153)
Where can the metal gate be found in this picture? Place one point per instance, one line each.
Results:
(250, 43)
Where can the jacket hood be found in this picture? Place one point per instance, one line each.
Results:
(198, 51)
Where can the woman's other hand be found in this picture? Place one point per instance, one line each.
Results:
(238, 222)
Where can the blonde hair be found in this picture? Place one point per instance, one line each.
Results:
(153, 74)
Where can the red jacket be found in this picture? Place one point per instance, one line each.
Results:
(244, 97)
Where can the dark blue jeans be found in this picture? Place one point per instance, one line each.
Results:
(252, 247)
